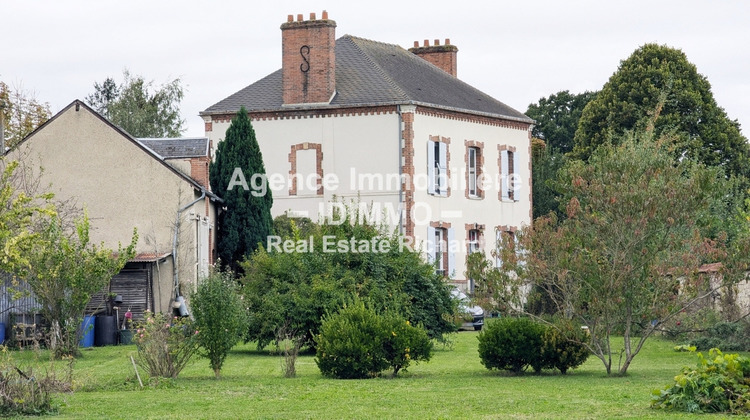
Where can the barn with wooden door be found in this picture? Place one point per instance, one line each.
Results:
(138, 284)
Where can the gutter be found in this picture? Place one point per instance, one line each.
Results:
(401, 203)
(178, 299)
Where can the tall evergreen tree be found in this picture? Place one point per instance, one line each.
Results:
(238, 175)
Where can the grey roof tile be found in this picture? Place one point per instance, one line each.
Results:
(184, 147)
(375, 73)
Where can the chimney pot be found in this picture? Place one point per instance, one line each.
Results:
(437, 42)
(290, 18)
(325, 15)
(312, 16)
(299, 17)
(447, 41)
(416, 44)
(426, 42)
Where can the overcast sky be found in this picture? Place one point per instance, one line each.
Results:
(516, 51)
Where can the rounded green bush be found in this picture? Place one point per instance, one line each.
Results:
(511, 344)
(357, 342)
(563, 346)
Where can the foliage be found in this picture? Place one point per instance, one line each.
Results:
(21, 113)
(546, 162)
(511, 344)
(563, 346)
(289, 342)
(404, 343)
(728, 336)
(27, 388)
(164, 345)
(659, 81)
(220, 316)
(298, 288)
(628, 250)
(65, 270)
(139, 108)
(246, 223)
(18, 215)
(357, 342)
(719, 384)
(557, 118)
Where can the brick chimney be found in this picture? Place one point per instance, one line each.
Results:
(443, 56)
(308, 59)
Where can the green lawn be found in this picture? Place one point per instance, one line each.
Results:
(453, 385)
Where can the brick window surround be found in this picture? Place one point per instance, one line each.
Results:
(447, 141)
(510, 170)
(318, 165)
(479, 167)
(443, 226)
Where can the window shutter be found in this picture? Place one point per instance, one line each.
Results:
(443, 164)
(431, 168)
(450, 248)
(517, 183)
(504, 174)
(430, 245)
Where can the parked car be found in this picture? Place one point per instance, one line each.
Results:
(473, 315)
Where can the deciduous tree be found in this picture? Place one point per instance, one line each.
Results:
(138, 107)
(21, 113)
(65, 269)
(659, 80)
(624, 260)
(557, 118)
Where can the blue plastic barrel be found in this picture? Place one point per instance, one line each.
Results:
(87, 331)
(2, 332)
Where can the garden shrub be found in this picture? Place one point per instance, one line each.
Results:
(357, 342)
(727, 336)
(296, 289)
(563, 346)
(511, 344)
(164, 345)
(27, 389)
(720, 383)
(220, 317)
(404, 343)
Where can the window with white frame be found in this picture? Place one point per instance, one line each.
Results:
(511, 184)
(473, 241)
(503, 238)
(440, 250)
(437, 168)
(473, 171)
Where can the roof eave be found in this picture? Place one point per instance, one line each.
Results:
(303, 107)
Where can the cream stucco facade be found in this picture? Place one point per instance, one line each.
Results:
(124, 186)
(363, 156)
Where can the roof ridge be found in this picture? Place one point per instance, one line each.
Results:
(377, 66)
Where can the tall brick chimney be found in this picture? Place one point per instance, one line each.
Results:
(308, 59)
(443, 56)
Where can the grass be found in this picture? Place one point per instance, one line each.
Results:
(453, 384)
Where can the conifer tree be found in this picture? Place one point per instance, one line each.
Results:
(238, 175)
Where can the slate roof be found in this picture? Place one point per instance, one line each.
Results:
(171, 148)
(374, 73)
